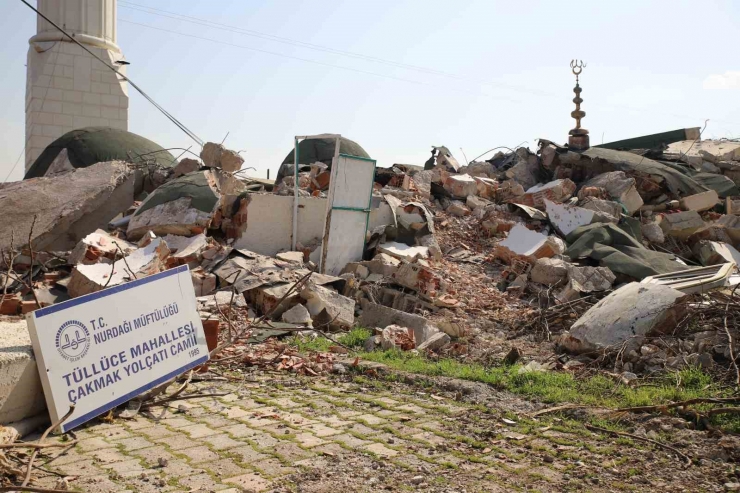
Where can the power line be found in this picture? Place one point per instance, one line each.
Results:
(308, 60)
(289, 41)
(326, 49)
(174, 120)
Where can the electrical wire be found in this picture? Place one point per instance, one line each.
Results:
(174, 120)
(289, 41)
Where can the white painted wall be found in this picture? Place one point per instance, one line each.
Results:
(66, 88)
(270, 222)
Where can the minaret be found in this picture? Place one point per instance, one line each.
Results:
(578, 140)
(66, 88)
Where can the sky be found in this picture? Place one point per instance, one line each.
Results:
(400, 76)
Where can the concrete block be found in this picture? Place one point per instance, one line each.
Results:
(21, 395)
(567, 218)
(700, 201)
(681, 225)
(526, 245)
(461, 186)
(715, 253)
(549, 271)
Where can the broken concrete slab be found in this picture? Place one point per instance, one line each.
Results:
(715, 253)
(681, 225)
(99, 244)
(374, 315)
(474, 202)
(590, 279)
(297, 315)
(143, 262)
(291, 257)
(626, 316)
(695, 152)
(403, 251)
(186, 250)
(183, 207)
(67, 207)
(567, 218)
(435, 342)
(328, 307)
(528, 245)
(419, 278)
(700, 201)
(21, 395)
(549, 271)
(620, 187)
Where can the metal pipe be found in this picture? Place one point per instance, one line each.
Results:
(295, 196)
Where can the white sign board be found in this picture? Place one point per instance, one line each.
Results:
(100, 350)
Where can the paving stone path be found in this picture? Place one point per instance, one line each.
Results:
(280, 433)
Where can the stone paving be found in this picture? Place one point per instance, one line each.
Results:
(286, 434)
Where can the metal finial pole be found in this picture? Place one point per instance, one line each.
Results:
(578, 140)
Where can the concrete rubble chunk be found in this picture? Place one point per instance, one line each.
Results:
(715, 253)
(420, 278)
(67, 207)
(486, 187)
(457, 208)
(604, 210)
(99, 244)
(653, 232)
(627, 315)
(374, 315)
(567, 218)
(549, 271)
(528, 245)
(297, 315)
(700, 201)
(292, 257)
(183, 207)
(681, 225)
(423, 182)
(557, 191)
(186, 250)
(217, 156)
(403, 251)
(21, 394)
(695, 152)
(203, 282)
(731, 224)
(143, 262)
(589, 279)
(461, 186)
(185, 166)
(474, 202)
(328, 307)
(395, 336)
(620, 187)
(435, 342)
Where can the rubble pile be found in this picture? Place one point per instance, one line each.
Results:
(590, 254)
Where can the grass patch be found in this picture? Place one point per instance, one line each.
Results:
(353, 339)
(550, 386)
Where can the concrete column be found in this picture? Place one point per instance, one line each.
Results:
(67, 88)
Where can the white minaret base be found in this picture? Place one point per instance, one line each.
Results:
(66, 88)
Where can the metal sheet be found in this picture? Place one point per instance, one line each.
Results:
(350, 193)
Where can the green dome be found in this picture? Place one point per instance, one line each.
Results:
(312, 150)
(90, 145)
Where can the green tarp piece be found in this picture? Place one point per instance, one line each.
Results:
(677, 182)
(193, 185)
(721, 184)
(90, 145)
(618, 250)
